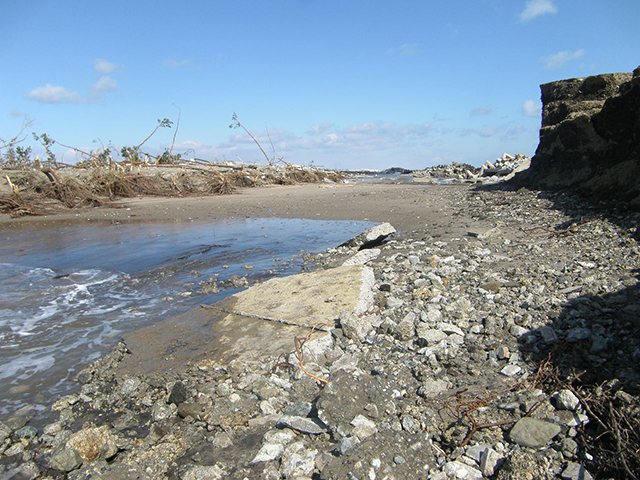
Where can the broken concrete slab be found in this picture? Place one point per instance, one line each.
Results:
(262, 321)
(371, 238)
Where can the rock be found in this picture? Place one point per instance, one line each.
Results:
(65, 459)
(548, 334)
(531, 432)
(299, 409)
(305, 425)
(178, 393)
(371, 238)
(205, 472)
(27, 432)
(431, 389)
(462, 471)
(589, 138)
(363, 427)
(429, 335)
(489, 462)
(93, 443)
(354, 326)
(510, 370)
(298, 462)
(362, 257)
(268, 452)
(566, 400)
(575, 471)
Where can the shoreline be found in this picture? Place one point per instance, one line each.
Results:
(470, 298)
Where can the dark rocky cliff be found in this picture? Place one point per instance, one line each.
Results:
(590, 138)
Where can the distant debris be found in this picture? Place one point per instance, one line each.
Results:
(397, 171)
(502, 169)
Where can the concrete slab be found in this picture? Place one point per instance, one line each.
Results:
(260, 322)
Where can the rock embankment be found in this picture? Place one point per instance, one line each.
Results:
(590, 138)
(509, 352)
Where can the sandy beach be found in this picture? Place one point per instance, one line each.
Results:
(407, 207)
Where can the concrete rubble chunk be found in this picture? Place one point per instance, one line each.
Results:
(302, 424)
(489, 462)
(268, 452)
(362, 257)
(575, 471)
(93, 443)
(534, 433)
(566, 400)
(461, 471)
(371, 237)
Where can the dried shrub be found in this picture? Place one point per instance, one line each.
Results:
(16, 206)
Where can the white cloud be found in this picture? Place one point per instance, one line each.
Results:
(535, 8)
(103, 67)
(404, 50)
(175, 63)
(530, 108)
(481, 110)
(54, 94)
(558, 60)
(98, 89)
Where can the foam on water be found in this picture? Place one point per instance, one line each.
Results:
(70, 293)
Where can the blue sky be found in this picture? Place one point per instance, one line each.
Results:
(346, 84)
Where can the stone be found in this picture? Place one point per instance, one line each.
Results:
(298, 462)
(178, 393)
(93, 443)
(27, 432)
(461, 471)
(65, 459)
(268, 452)
(305, 425)
(548, 334)
(489, 462)
(450, 329)
(204, 472)
(510, 370)
(566, 400)
(355, 327)
(432, 388)
(534, 433)
(575, 471)
(578, 334)
(371, 238)
(362, 257)
(589, 138)
(429, 335)
(299, 409)
(363, 427)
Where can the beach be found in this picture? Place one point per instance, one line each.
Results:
(453, 367)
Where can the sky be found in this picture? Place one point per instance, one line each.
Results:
(363, 84)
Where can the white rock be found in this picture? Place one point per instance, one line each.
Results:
(566, 400)
(268, 452)
(510, 370)
(489, 462)
(461, 471)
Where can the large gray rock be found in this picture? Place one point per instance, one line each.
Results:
(531, 432)
(590, 138)
(93, 443)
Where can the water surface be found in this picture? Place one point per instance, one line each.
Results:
(70, 291)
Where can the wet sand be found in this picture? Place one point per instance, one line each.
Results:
(407, 207)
